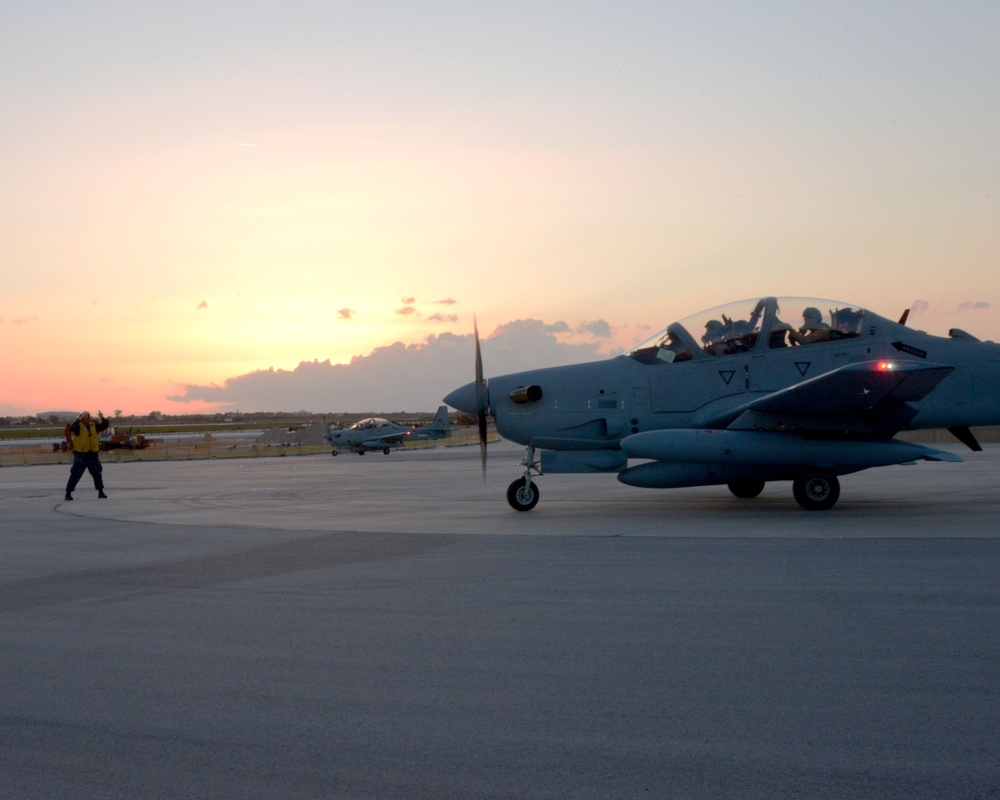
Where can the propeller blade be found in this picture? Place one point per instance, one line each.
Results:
(482, 441)
(479, 354)
(480, 398)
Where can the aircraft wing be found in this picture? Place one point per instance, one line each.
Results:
(867, 397)
(389, 438)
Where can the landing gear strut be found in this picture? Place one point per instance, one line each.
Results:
(523, 493)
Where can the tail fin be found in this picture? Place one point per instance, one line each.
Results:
(441, 421)
(440, 427)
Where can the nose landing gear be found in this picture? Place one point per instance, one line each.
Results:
(523, 493)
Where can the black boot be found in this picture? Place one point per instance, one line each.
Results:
(100, 493)
(69, 496)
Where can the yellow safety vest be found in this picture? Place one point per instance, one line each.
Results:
(86, 441)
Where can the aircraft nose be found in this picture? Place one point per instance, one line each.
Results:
(464, 399)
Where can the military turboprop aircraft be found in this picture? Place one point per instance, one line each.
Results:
(736, 395)
(376, 433)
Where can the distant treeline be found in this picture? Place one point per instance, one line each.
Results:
(157, 423)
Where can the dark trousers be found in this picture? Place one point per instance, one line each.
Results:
(83, 462)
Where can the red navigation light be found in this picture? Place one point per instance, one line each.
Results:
(884, 366)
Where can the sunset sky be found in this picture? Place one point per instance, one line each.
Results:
(198, 193)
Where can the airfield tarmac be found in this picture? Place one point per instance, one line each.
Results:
(387, 627)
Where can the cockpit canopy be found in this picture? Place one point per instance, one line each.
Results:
(768, 323)
(370, 422)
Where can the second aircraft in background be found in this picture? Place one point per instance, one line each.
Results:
(376, 433)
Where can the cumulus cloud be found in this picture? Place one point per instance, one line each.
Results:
(924, 307)
(410, 309)
(598, 328)
(397, 377)
(346, 313)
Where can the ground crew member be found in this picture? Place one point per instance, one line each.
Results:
(83, 435)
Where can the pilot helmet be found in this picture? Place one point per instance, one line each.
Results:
(714, 331)
(812, 314)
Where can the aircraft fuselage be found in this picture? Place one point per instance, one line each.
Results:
(800, 404)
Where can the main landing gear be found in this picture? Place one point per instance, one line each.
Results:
(523, 493)
(813, 494)
(746, 489)
(816, 494)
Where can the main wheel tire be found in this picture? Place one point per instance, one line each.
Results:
(386, 450)
(746, 489)
(816, 494)
(333, 453)
(521, 496)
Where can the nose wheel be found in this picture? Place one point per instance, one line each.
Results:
(522, 494)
